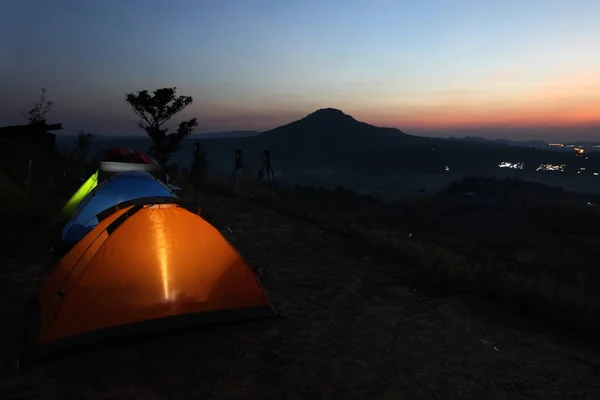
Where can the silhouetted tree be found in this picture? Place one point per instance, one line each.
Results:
(155, 109)
(83, 142)
(38, 113)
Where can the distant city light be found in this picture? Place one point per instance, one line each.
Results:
(505, 164)
(447, 168)
(595, 174)
(551, 167)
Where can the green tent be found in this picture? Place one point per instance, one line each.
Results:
(79, 195)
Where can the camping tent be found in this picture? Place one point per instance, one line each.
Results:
(115, 189)
(131, 162)
(114, 160)
(116, 153)
(108, 168)
(79, 195)
(145, 267)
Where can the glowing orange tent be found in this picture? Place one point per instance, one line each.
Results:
(146, 267)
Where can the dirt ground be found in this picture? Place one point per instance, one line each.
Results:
(350, 330)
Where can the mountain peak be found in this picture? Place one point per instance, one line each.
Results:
(333, 126)
(329, 113)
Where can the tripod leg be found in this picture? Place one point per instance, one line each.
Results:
(245, 179)
(258, 177)
(274, 181)
(234, 178)
(269, 178)
(196, 185)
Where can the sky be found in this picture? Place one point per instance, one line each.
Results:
(521, 69)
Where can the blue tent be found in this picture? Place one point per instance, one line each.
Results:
(118, 188)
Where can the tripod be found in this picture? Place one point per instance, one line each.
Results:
(239, 164)
(269, 171)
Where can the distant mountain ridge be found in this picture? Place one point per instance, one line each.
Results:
(331, 140)
(329, 147)
(224, 135)
(530, 143)
(209, 135)
(329, 126)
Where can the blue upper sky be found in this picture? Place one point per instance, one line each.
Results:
(422, 66)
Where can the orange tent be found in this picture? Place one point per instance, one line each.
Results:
(146, 267)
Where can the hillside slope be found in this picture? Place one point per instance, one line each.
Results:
(351, 329)
(329, 147)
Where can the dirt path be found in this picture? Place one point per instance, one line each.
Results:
(350, 332)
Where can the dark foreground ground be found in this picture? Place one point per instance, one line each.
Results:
(351, 330)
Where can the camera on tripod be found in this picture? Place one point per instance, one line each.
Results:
(238, 152)
(267, 152)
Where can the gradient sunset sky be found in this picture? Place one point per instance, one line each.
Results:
(513, 68)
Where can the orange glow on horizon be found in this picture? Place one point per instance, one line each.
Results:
(499, 99)
(565, 104)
